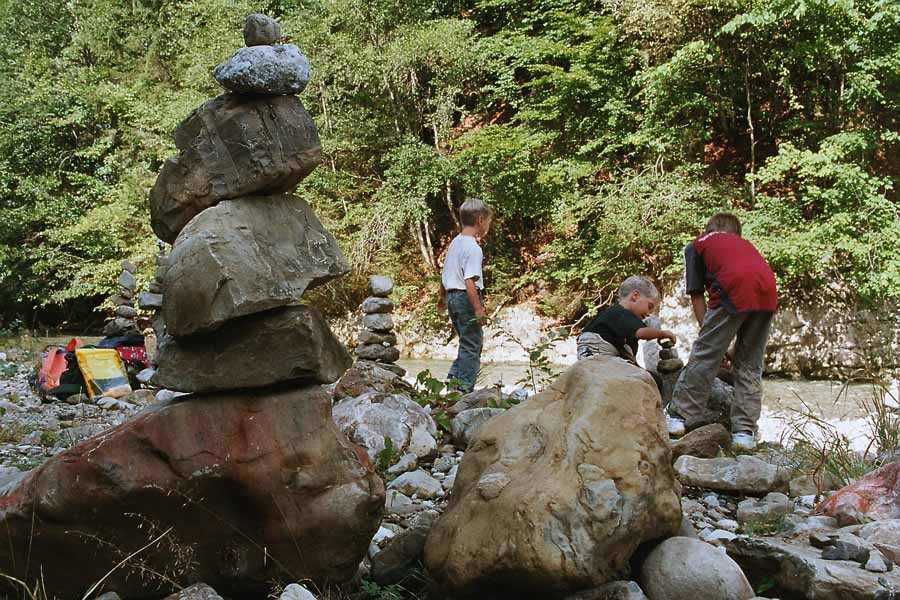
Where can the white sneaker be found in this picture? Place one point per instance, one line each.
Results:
(743, 440)
(675, 426)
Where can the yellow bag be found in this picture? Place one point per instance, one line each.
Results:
(103, 372)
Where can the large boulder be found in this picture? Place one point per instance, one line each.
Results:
(233, 146)
(874, 497)
(557, 493)
(245, 256)
(285, 344)
(247, 487)
(374, 416)
(264, 69)
(683, 568)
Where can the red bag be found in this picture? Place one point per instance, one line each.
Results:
(134, 354)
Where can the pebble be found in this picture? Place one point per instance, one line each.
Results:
(727, 525)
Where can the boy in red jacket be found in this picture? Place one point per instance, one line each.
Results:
(742, 302)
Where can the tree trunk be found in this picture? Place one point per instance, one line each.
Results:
(751, 131)
(424, 247)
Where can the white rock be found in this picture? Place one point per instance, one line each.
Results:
(383, 534)
(451, 478)
(443, 464)
(717, 536)
(369, 418)
(295, 591)
(711, 500)
(418, 483)
(468, 422)
(397, 503)
(773, 506)
(407, 462)
(727, 524)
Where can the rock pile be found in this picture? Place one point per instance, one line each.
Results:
(245, 249)
(377, 341)
(152, 299)
(254, 470)
(123, 321)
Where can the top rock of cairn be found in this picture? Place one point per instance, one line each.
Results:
(261, 30)
(264, 67)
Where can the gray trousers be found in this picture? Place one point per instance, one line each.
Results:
(691, 394)
(592, 344)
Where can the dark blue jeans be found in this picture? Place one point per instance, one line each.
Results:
(468, 360)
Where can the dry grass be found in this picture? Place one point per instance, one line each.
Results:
(820, 450)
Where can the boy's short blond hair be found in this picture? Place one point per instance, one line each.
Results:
(472, 209)
(724, 221)
(639, 283)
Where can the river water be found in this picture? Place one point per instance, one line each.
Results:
(841, 407)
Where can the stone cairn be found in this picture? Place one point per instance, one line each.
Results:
(244, 249)
(123, 323)
(668, 368)
(377, 341)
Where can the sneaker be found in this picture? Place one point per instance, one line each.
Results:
(675, 425)
(743, 440)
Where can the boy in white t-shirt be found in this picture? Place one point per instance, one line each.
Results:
(462, 291)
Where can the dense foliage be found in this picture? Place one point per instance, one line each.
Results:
(602, 131)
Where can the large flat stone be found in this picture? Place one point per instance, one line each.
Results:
(265, 69)
(798, 571)
(285, 344)
(246, 256)
(233, 146)
(742, 475)
(252, 488)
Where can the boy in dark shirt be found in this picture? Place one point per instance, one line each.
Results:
(616, 330)
(742, 302)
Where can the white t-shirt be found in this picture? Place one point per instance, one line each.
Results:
(463, 262)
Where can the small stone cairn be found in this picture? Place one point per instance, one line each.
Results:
(152, 299)
(123, 322)
(668, 368)
(377, 341)
(244, 248)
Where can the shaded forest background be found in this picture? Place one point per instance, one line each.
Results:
(603, 132)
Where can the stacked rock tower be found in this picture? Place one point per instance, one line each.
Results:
(123, 322)
(377, 340)
(244, 249)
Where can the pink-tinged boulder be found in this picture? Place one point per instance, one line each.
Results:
(556, 494)
(874, 497)
(246, 488)
(233, 146)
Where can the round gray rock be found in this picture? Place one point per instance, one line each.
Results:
(381, 285)
(682, 567)
(261, 30)
(268, 70)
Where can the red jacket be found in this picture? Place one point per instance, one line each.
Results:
(733, 272)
